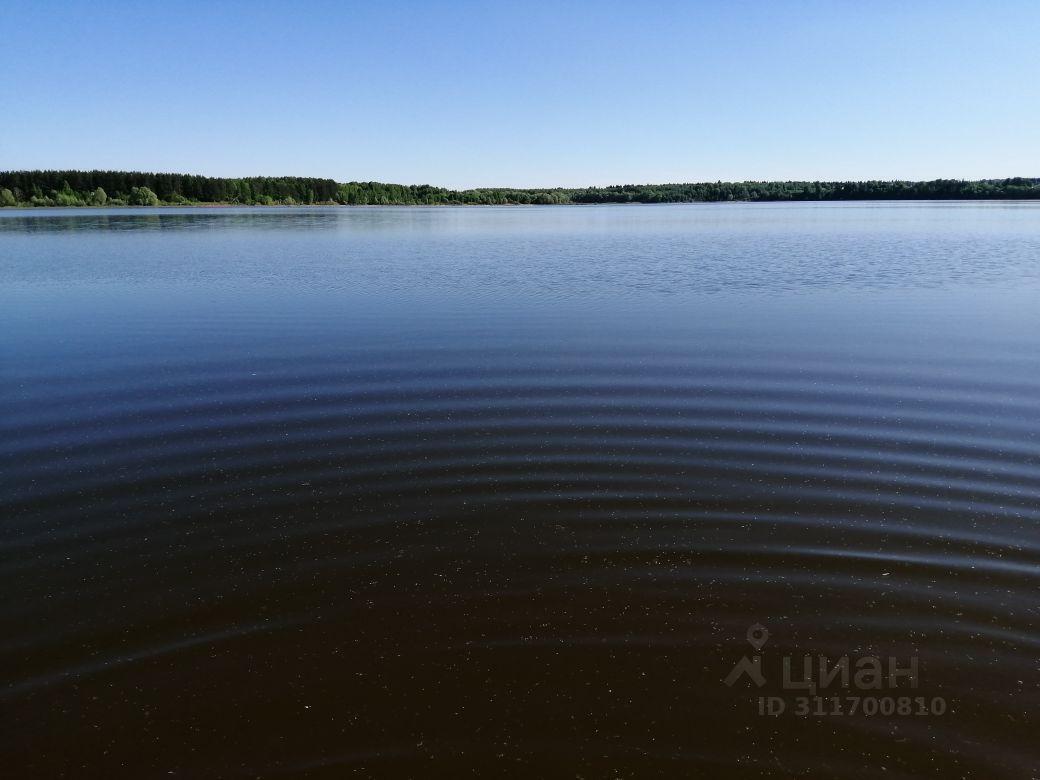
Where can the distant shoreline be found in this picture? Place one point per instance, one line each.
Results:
(71, 188)
(220, 206)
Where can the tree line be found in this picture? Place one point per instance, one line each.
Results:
(99, 188)
(134, 188)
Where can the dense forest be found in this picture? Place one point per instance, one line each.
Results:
(122, 188)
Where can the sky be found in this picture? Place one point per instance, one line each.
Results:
(524, 94)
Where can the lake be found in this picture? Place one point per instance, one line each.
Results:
(549, 491)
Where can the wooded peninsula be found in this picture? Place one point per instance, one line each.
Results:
(133, 188)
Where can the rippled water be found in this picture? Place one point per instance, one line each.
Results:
(429, 492)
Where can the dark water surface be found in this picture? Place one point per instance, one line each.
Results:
(442, 492)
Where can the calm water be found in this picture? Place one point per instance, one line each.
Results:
(436, 492)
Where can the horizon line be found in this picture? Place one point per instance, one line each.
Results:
(675, 182)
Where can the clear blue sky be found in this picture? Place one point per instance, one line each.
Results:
(527, 93)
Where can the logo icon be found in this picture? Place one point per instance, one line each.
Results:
(757, 636)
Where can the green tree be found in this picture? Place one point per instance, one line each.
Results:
(7, 198)
(98, 197)
(67, 196)
(142, 196)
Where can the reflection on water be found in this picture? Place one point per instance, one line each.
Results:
(410, 492)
